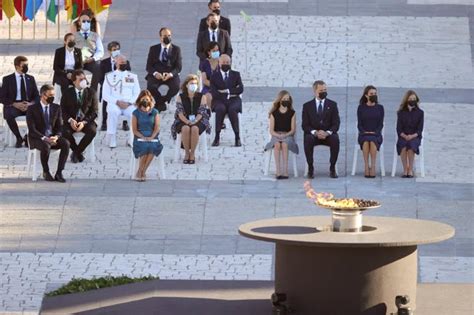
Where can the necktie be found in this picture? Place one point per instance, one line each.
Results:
(23, 88)
(86, 35)
(214, 36)
(226, 76)
(79, 97)
(165, 55)
(320, 108)
(46, 121)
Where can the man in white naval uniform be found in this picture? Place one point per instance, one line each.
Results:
(120, 91)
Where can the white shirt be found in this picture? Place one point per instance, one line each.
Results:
(120, 86)
(70, 62)
(211, 31)
(322, 109)
(18, 85)
(99, 51)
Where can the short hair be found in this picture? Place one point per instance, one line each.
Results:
(189, 78)
(211, 46)
(317, 83)
(164, 29)
(18, 60)
(45, 88)
(113, 44)
(67, 35)
(212, 1)
(211, 15)
(75, 74)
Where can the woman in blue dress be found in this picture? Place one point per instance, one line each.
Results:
(208, 67)
(370, 115)
(410, 119)
(145, 128)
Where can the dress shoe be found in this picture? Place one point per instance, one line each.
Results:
(238, 143)
(80, 157)
(48, 177)
(125, 126)
(284, 177)
(74, 158)
(103, 127)
(310, 172)
(333, 174)
(215, 143)
(19, 143)
(25, 140)
(59, 177)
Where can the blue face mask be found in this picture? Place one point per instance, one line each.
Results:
(215, 54)
(115, 53)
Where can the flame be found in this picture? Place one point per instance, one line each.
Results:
(327, 199)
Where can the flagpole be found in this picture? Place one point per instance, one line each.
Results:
(22, 15)
(46, 18)
(9, 28)
(59, 19)
(34, 19)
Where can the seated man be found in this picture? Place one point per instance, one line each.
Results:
(226, 87)
(163, 66)
(79, 108)
(213, 34)
(121, 89)
(107, 65)
(18, 92)
(320, 125)
(215, 7)
(44, 131)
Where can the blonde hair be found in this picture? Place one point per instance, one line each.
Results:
(277, 101)
(189, 78)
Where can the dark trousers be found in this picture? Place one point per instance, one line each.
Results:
(45, 149)
(63, 82)
(89, 130)
(161, 100)
(232, 108)
(94, 68)
(10, 114)
(331, 141)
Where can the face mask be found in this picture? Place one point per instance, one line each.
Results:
(192, 88)
(71, 44)
(83, 84)
(217, 11)
(285, 103)
(166, 40)
(86, 26)
(24, 68)
(122, 67)
(322, 95)
(50, 100)
(115, 53)
(213, 25)
(373, 98)
(225, 68)
(412, 103)
(215, 54)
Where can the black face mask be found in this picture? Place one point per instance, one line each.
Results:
(213, 25)
(71, 44)
(322, 95)
(373, 98)
(166, 40)
(285, 103)
(50, 100)
(24, 68)
(122, 67)
(225, 68)
(412, 103)
(217, 11)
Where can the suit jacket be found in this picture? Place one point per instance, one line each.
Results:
(224, 23)
(154, 64)
(36, 124)
(8, 91)
(59, 64)
(70, 105)
(203, 41)
(329, 120)
(234, 85)
(106, 67)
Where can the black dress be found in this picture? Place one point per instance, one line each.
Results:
(370, 119)
(410, 122)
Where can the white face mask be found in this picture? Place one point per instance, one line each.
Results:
(192, 88)
(83, 84)
(115, 53)
(86, 26)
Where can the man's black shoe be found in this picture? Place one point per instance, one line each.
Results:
(80, 157)
(103, 127)
(125, 126)
(310, 172)
(59, 177)
(19, 143)
(48, 177)
(74, 158)
(333, 174)
(238, 143)
(215, 143)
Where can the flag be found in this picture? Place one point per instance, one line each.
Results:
(52, 11)
(106, 2)
(20, 6)
(32, 7)
(1, 11)
(96, 6)
(9, 8)
(74, 8)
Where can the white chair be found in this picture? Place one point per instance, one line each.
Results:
(134, 164)
(268, 160)
(420, 160)
(90, 150)
(9, 136)
(57, 93)
(380, 154)
(202, 148)
(32, 161)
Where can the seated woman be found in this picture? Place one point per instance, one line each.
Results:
(410, 119)
(145, 128)
(208, 67)
(282, 129)
(191, 118)
(370, 115)
(66, 59)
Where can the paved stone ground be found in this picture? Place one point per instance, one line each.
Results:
(186, 227)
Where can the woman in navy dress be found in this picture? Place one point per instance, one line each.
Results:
(370, 115)
(208, 67)
(410, 120)
(145, 128)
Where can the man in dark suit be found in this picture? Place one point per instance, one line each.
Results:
(226, 87)
(107, 65)
(66, 60)
(44, 131)
(18, 92)
(213, 34)
(320, 125)
(163, 66)
(79, 109)
(215, 7)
